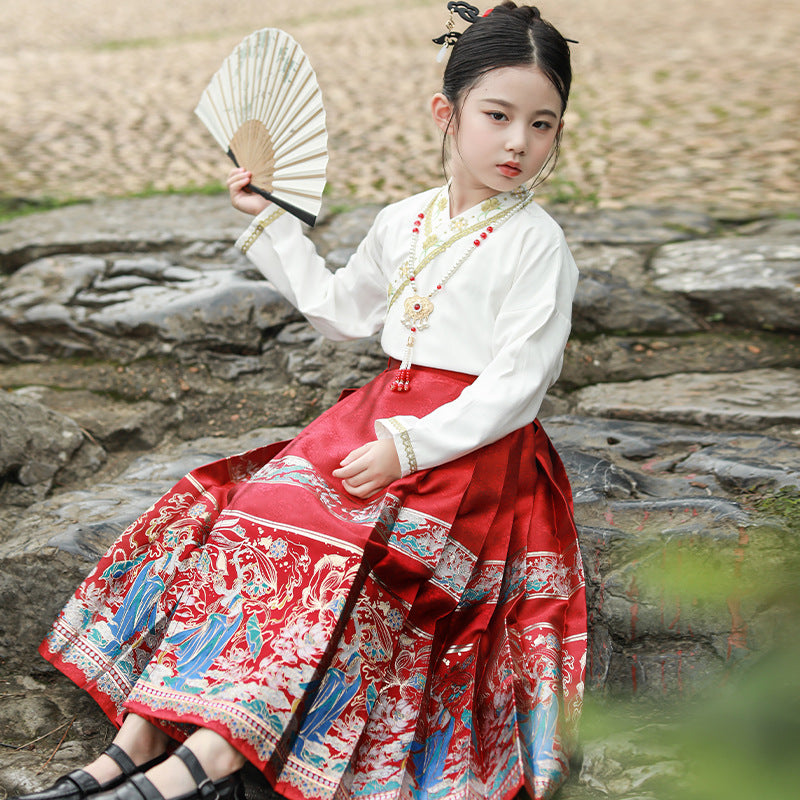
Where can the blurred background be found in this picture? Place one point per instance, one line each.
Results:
(691, 103)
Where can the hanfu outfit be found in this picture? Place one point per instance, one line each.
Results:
(428, 642)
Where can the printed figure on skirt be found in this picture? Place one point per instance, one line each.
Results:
(390, 605)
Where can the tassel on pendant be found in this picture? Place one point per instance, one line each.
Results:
(403, 379)
(418, 308)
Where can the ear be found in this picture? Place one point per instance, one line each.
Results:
(442, 110)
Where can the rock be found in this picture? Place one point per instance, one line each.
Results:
(748, 282)
(47, 706)
(123, 307)
(634, 441)
(298, 333)
(229, 367)
(627, 264)
(745, 463)
(633, 226)
(595, 478)
(604, 303)
(116, 426)
(614, 294)
(56, 280)
(217, 309)
(335, 366)
(773, 227)
(35, 444)
(343, 232)
(608, 359)
(674, 567)
(654, 631)
(109, 225)
(625, 764)
(746, 400)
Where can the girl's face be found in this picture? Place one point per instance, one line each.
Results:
(505, 132)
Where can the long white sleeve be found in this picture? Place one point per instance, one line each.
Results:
(347, 304)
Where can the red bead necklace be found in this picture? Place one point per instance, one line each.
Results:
(417, 309)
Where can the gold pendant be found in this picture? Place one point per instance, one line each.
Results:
(417, 310)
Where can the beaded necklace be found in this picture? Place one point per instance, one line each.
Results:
(418, 308)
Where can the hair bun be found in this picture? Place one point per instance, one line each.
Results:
(526, 14)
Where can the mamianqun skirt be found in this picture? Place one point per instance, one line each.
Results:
(429, 642)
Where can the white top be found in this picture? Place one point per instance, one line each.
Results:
(504, 315)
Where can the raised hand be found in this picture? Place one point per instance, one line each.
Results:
(241, 197)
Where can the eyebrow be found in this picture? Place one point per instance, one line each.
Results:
(505, 104)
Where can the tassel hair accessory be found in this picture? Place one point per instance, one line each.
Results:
(450, 37)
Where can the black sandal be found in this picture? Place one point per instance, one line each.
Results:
(140, 787)
(79, 784)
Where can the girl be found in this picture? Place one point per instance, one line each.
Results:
(390, 605)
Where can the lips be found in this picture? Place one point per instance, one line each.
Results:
(510, 169)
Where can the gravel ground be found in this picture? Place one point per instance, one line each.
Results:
(692, 103)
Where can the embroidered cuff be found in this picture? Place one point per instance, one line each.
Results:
(258, 226)
(395, 428)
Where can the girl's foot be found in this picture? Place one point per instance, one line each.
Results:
(140, 742)
(182, 777)
(217, 759)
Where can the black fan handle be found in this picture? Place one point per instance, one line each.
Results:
(302, 215)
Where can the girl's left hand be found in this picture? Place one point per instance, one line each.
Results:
(369, 468)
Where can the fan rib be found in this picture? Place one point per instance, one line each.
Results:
(302, 122)
(289, 96)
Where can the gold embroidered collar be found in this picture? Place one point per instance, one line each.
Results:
(439, 232)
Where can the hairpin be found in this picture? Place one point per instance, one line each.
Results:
(470, 14)
(450, 37)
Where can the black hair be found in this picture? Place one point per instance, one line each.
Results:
(508, 36)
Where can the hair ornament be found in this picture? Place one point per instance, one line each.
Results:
(464, 10)
(450, 37)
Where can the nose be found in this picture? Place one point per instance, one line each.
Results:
(515, 142)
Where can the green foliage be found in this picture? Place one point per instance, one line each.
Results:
(741, 740)
(783, 505)
(11, 207)
(560, 191)
(210, 188)
(744, 742)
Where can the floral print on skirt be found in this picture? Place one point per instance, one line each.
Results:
(429, 642)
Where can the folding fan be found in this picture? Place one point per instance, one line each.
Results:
(264, 108)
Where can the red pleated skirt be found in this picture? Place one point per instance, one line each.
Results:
(428, 642)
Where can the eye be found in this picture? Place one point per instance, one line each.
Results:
(542, 125)
(497, 116)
